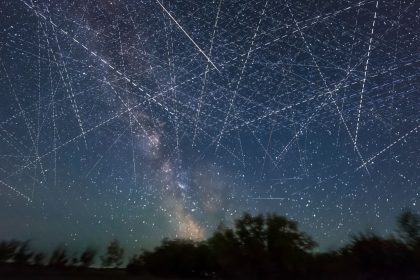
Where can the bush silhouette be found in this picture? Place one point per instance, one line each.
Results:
(184, 258)
(409, 228)
(23, 255)
(38, 259)
(7, 250)
(257, 246)
(261, 245)
(87, 258)
(59, 258)
(377, 256)
(114, 255)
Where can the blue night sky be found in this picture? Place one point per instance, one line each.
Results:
(149, 119)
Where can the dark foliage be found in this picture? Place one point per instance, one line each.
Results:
(273, 247)
(73, 261)
(59, 258)
(23, 254)
(7, 250)
(409, 228)
(183, 258)
(260, 246)
(257, 247)
(114, 256)
(38, 259)
(87, 258)
(372, 254)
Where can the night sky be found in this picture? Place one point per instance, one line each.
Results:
(149, 119)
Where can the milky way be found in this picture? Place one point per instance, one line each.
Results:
(152, 119)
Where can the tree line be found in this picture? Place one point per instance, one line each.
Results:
(19, 254)
(256, 247)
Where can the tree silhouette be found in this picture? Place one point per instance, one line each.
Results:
(38, 259)
(377, 256)
(183, 258)
(260, 245)
(409, 228)
(59, 257)
(87, 257)
(74, 260)
(225, 248)
(288, 248)
(256, 247)
(114, 255)
(7, 250)
(23, 254)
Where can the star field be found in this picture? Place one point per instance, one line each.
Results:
(151, 119)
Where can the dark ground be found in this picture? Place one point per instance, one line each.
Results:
(9, 272)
